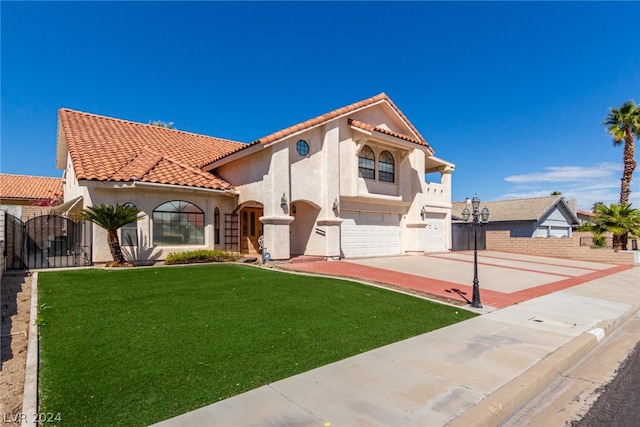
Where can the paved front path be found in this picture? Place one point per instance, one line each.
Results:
(505, 279)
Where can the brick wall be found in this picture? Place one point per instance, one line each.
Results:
(569, 248)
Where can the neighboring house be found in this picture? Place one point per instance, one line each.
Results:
(536, 217)
(585, 217)
(348, 183)
(21, 194)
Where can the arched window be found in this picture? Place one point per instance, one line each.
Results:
(386, 166)
(216, 226)
(178, 223)
(129, 232)
(367, 163)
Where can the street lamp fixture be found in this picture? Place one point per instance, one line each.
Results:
(478, 219)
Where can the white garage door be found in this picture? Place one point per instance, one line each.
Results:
(367, 234)
(435, 234)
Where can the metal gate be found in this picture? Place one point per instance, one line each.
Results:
(47, 241)
(462, 238)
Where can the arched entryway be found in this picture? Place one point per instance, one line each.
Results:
(305, 238)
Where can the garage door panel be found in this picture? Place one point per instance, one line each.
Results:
(435, 233)
(366, 234)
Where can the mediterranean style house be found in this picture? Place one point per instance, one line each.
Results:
(348, 183)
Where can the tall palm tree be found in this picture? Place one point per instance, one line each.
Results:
(624, 125)
(111, 218)
(619, 219)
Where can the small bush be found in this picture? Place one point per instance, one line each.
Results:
(202, 255)
(599, 241)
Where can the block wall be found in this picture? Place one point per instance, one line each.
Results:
(568, 248)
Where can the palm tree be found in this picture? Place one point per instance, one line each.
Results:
(111, 218)
(624, 124)
(596, 205)
(619, 219)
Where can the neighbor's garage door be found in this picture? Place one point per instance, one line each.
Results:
(369, 234)
(435, 234)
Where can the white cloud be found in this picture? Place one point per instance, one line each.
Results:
(586, 184)
(567, 173)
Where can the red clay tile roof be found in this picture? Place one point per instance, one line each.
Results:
(371, 128)
(342, 111)
(108, 149)
(29, 187)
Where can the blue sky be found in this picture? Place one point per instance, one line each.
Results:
(512, 93)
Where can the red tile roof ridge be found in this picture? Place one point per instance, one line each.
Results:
(139, 166)
(215, 182)
(325, 117)
(207, 175)
(146, 124)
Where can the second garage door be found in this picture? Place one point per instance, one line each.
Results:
(368, 234)
(435, 234)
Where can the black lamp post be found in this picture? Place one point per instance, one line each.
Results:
(480, 219)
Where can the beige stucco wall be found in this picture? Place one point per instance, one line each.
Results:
(147, 198)
(330, 172)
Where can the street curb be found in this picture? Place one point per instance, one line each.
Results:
(30, 394)
(499, 405)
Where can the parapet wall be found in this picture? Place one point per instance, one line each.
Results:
(564, 247)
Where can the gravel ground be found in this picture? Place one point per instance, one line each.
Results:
(15, 301)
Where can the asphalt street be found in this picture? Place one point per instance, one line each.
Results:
(619, 404)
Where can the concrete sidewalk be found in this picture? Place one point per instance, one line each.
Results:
(472, 373)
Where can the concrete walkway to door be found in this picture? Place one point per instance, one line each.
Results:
(505, 278)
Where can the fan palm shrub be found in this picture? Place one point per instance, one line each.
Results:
(618, 219)
(111, 218)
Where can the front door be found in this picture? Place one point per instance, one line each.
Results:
(251, 230)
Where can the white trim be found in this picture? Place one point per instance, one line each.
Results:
(181, 187)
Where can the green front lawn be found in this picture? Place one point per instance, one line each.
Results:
(136, 346)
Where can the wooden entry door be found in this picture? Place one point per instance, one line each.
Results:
(251, 230)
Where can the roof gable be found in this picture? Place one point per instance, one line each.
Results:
(381, 98)
(107, 149)
(372, 129)
(29, 187)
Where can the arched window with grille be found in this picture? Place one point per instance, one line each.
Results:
(386, 167)
(367, 163)
(178, 223)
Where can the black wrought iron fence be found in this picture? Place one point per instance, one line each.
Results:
(47, 241)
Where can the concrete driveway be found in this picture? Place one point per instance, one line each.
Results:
(505, 278)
